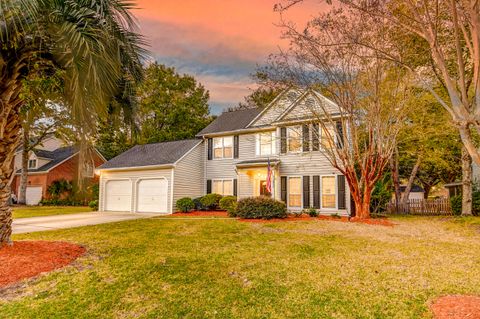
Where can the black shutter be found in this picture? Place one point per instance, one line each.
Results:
(210, 151)
(316, 191)
(235, 187)
(352, 207)
(341, 191)
(315, 138)
(339, 134)
(235, 146)
(306, 138)
(209, 186)
(283, 140)
(283, 189)
(306, 191)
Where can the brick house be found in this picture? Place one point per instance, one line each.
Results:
(51, 161)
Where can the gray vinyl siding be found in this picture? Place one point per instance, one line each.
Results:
(135, 176)
(281, 105)
(189, 175)
(305, 109)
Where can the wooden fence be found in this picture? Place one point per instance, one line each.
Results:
(425, 207)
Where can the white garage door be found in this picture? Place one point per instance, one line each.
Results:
(152, 196)
(118, 196)
(33, 195)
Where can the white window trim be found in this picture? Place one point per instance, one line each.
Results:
(336, 193)
(223, 147)
(36, 163)
(301, 192)
(223, 180)
(258, 146)
(301, 139)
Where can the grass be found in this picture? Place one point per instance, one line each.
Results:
(36, 211)
(171, 268)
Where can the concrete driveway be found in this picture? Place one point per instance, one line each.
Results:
(43, 223)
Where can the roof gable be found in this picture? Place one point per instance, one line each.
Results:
(277, 107)
(311, 105)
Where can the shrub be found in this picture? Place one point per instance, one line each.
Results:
(211, 201)
(197, 202)
(456, 203)
(229, 203)
(260, 207)
(62, 202)
(312, 212)
(185, 204)
(93, 204)
(60, 187)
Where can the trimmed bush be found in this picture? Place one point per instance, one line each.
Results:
(93, 205)
(229, 203)
(211, 201)
(185, 204)
(198, 204)
(312, 212)
(260, 208)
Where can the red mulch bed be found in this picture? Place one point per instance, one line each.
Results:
(304, 217)
(456, 307)
(26, 259)
(202, 213)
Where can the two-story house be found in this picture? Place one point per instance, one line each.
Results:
(50, 161)
(232, 156)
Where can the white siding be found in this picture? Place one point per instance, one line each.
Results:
(135, 176)
(274, 111)
(304, 109)
(189, 175)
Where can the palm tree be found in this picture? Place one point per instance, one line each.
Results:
(93, 42)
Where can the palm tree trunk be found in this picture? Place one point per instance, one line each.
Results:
(10, 126)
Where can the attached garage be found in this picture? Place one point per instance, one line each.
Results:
(152, 195)
(150, 178)
(33, 195)
(118, 195)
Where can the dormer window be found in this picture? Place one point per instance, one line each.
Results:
(32, 164)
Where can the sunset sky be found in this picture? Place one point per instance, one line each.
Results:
(220, 42)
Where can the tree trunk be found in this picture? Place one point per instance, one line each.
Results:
(362, 204)
(10, 126)
(411, 179)
(426, 189)
(22, 193)
(466, 183)
(396, 179)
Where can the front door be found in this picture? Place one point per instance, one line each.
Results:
(263, 189)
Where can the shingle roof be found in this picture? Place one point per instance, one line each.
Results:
(57, 156)
(231, 121)
(151, 154)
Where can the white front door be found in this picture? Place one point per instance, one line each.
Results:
(118, 196)
(33, 195)
(152, 196)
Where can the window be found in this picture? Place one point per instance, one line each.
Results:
(328, 137)
(266, 143)
(223, 147)
(222, 187)
(32, 163)
(295, 192)
(294, 139)
(328, 192)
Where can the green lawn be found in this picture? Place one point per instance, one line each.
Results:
(35, 211)
(171, 268)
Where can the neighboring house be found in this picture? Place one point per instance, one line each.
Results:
(52, 160)
(416, 192)
(231, 157)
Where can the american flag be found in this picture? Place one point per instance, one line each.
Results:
(269, 178)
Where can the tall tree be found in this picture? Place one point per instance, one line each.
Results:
(170, 106)
(260, 97)
(429, 145)
(93, 41)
